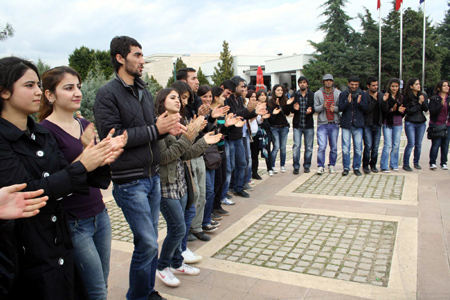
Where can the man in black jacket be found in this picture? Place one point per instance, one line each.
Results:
(372, 126)
(125, 104)
(303, 124)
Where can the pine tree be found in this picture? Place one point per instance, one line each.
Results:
(444, 43)
(201, 77)
(179, 64)
(84, 59)
(42, 67)
(390, 46)
(6, 32)
(225, 67)
(95, 79)
(152, 85)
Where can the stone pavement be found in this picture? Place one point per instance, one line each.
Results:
(378, 236)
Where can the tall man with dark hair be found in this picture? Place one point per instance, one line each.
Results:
(352, 104)
(303, 124)
(372, 126)
(125, 104)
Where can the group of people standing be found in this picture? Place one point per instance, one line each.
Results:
(186, 155)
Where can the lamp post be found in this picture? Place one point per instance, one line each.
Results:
(174, 62)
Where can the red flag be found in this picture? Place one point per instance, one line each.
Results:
(379, 4)
(398, 3)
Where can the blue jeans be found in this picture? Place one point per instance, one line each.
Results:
(189, 214)
(356, 134)
(391, 147)
(414, 134)
(308, 133)
(280, 140)
(440, 143)
(210, 176)
(248, 158)
(173, 212)
(330, 132)
(91, 239)
(140, 200)
(226, 180)
(371, 136)
(236, 164)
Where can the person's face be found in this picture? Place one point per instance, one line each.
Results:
(185, 98)
(416, 86)
(172, 102)
(279, 92)
(353, 85)
(303, 85)
(252, 97)
(134, 62)
(221, 98)
(207, 98)
(445, 88)
(26, 96)
(244, 92)
(67, 95)
(192, 80)
(227, 93)
(373, 87)
(394, 88)
(239, 89)
(262, 97)
(328, 83)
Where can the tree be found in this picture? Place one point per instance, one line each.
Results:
(225, 68)
(8, 31)
(390, 46)
(179, 64)
(95, 79)
(84, 59)
(201, 77)
(42, 67)
(443, 30)
(153, 85)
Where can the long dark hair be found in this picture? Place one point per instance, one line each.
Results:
(203, 90)
(388, 89)
(182, 87)
(439, 86)
(50, 80)
(260, 92)
(160, 106)
(409, 94)
(216, 92)
(12, 69)
(282, 100)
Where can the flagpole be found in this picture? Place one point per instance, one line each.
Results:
(401, 40)
(379, 51)
(424, 41)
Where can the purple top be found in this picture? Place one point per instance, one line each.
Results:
(442, 118)
(77, 206)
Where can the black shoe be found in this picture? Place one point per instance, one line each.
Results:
(216, 217)
(220, 211)
(242, 194)
(155, 296)
(202, 236)
(345, 173)
(256, 176)
(296, 171)
(366, 170)
(416, 166)
(374, 169)
(407, 168)
(357, 172)
(306, 170)
(228, 196)
(209, 228)
(191, 237)
(247, 187)
(215, 223)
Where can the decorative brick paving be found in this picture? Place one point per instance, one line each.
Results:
(370, 186)
(120, 229)
(347, 249)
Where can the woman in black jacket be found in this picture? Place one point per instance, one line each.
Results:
(416, 104)
(440, 116)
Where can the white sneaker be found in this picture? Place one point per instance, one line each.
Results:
(320, 171)
(331, 169)
(270, 173)
(186, 270)
(275, 171)
(283, 169)
(227, 201)
(190, 257)
(251, 182)
(433, 167)
(444, 167)
(167, 277)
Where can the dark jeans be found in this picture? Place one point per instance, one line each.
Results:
(441, 143)
(236, 165)
(371, 137)
(210, 176)
(219, 180)
(308, 134)
(414, 134)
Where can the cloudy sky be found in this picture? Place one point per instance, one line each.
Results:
(52, 29)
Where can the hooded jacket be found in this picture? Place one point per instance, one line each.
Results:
(318, 106)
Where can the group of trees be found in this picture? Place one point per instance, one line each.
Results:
(345, 51)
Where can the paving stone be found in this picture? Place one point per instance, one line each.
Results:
(332, 267)
(360, 279)
(313, 272)
(345, 277)
(348, 270)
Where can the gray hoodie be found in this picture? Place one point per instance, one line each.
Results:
(320, 110)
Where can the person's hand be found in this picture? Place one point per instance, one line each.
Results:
(349, 98)
(309, 110)
(120, 141)
(219, 111)
(290, 100)
(211, 139)
(251, 105)
(94, 156)
(177, 129)
(198, 122)
(296, 106)
(16, 205)
(240, 122)
(266, 116)
(276, 111)
(402, 109)
(386, 96)
(421, 99)
(394, 108)
(204, 109)
(230, 120)
(165, 123)
(324, 105)
(88, 135)
(332, 107)
(191, 131)
(359, 99)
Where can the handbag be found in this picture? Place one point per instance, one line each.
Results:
(437, 132)
(190, 185)
(212, 157)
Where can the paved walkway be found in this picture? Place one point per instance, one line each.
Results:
(378, 236)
